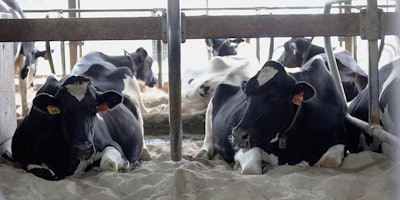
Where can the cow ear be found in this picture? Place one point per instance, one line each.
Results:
(108, 100)
(142, 52)
(126, 52)
(302, 91)
(46, 104)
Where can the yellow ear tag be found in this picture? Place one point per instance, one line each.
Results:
(101, 109)
(298, 98)
(53, 110)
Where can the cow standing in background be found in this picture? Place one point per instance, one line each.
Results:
(300, 50)
(294, 116)
(199, 84)
(26, 55)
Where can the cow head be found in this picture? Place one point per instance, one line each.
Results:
(296, 52)
(272, 97)
(142, 66)
(76, 104)
(223, 47)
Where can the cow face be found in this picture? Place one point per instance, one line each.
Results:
(142, 66)
(76, 104)
(270, 106)
(294, 50)
(223, 47)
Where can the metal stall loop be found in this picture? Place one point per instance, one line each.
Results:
(174, 75)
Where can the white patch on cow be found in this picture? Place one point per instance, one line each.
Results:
(266, 74)
(100, 117)
(208, 146)
(250, 160)
(132, 90)
(275, 139)
(43, 166)
(393, 75)
(332, 158)
(112, 160)
(231, 70)
(78, 90)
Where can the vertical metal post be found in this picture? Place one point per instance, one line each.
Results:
(174, 35)
(73, 52)
(373, 36)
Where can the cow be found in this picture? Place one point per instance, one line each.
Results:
(389, 109)
(26, 54)
(89, 118)
(299, 50)
(139, 62)
(294, 116)
(198, 85)
(223, 46)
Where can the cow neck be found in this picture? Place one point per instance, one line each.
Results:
(282, 136)
(133, 64)
(307, 52)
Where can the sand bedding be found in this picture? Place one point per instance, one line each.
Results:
(365, 175)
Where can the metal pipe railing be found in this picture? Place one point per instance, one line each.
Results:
(174, 35)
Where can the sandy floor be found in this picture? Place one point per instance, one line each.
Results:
(365, 175)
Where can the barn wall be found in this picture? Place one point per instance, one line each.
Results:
(7, 94)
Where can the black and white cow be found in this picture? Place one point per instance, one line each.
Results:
(26, 55)
(299, 50)
(296, 117)
(138, 62)
(389, 110)
(199, 84)
(223, 46)
(89, 118)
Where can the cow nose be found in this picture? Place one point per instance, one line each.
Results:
(84, 151)
(241, 138)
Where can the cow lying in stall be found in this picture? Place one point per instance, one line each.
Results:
(389, 111)
(26, 55)
(299, 50)
(198, 85)
(88, 118)
(296, 117)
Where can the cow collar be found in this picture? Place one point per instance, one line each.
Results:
(133, 64)
(281, 136)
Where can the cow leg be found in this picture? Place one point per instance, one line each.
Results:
(41, 171)
(112, 160)
(207, 150)
(133, 91)
(332, 158)
(23, 87)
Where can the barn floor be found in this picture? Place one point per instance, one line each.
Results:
(366, 175)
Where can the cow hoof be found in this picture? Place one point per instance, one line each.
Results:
(202, 154)
(333, 157)
(111, 160)
(250, 161)
(42, 172)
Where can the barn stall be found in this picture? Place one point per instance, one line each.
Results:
(175, 173)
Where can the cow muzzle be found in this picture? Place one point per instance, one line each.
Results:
(240, 138)
(84, 151)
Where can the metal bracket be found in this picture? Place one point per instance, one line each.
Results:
(164, 27)
(371, 24)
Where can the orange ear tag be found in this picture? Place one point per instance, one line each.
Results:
(53, 110)
(101, 109)
(298, 98)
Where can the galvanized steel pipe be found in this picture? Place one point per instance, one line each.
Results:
(174, 75)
